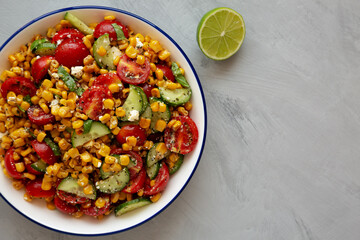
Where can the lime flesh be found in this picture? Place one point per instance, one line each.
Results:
(220, 33)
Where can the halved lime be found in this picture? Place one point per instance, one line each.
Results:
(220, 33)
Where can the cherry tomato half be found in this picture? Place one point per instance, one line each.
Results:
(71, 198)
(44, 152)
(71, 52)
(67, 33)
(137, 183)
(166, 71)
(18, 85)
(40, 68)
(184, 139)
(106, 27)
(34, 189)
(107, 79)
(161, 181)
(38, 116)
(94, 210)
(131, 72)
(134, 157)
(91, 101)
(64, 206)
(9, 162)
(132, 130)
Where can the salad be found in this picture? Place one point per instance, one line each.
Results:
(94, 119)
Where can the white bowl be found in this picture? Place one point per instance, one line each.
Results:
(55, 220)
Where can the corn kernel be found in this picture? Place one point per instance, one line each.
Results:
(29, 176)
(86, 157)
(64, 112)
(83, 180)
(48, 127)
(25, 105)
(182, 111)
(128, 197)
(131, 140)
(188, 106)
(96, 162)
(100, 202)
(131, 52)
(40, 137)
(148, 144)
(155, 106)
(159, 74)
(19, 142)
(164, 54)
(50, 205)
(114, 88)
(140, 59)
(161, 148)
(109, 17)
(116, 167)
(77, 124)
(152, 183)
(115, 197)
(88, 189)
(115, 131)
(101, 51)
(162, 107)
(116, 60)
(110, 159)
(124, 160)
(104, 150)
(73, 152)
(144, 122)
(120, 112)
(109, 104)
(20, 167)
(27, 197)
(155, 92)
(152, 67)
(155, 45)
(122, 196)
(46, 84)
(126, 147)
(155, 197)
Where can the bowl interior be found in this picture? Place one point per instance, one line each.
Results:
(36, 210)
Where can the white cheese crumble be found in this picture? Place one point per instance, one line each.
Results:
(54, 102)
(134, 115)
(58, 42)
(139, 44)
(77, 71)
(3, 134)
(55, 75)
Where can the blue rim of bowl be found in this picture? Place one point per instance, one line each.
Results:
(198, 82)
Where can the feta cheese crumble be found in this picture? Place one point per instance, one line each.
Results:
(134, 115)
(77, 71)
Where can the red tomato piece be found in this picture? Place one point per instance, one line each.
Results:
(44, 152)
(91, 101)
(9, 162)
(34, 189)
(38, 116)
(40, 68)
(184, 139)
(18, 85)
(95, 211)
(135, 157)
(31, 170)
(161, 181)
(167, 72)
(71, 52)
(64, 206)
(137, 183)
(131, 72)
(106, 27)
(107, 79)
(67, 33)
(132, 130)
(147, 89)
(71, 198)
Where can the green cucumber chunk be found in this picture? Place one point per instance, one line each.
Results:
(132, 104)
(70, 185)
(175, 97)
(159, 115)
(153, 170)
(77, 23)
(146, 114)
(131, 205)
(177, 164)
(39, 166)
(46, 48)
(115, 182)
(97, 130)
(105, 175)
(145, 102)
(155, 156)
(119, 32)
(106, 61)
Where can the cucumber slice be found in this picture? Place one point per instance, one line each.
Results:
(105, 175)
(77, 23)
(153, 170)
(114, 183)
(154, 156)
(177, 164)
(106, 61)
(131, 205)
(36, 43)
(145, 102)
(159, 115)
(132, 103)
(175, 97)
(97, 130)
(39, 166)
(70, 185)
(46, 48)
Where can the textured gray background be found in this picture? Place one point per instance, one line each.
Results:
(282, 153)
